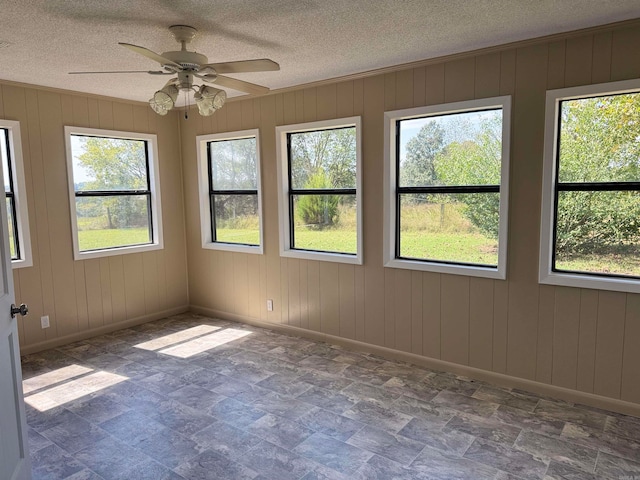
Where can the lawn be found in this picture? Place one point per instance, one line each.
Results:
(108, 238)
(613, 263)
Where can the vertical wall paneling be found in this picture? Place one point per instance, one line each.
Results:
(434, 84)
(284, 290)
(403, 310)
(587, 339)
(487, 80)
(481, 323)
(390, 307)
(625, 55)
(555, 72)
(609, 344)
(459, 78)
(419, 86)
(329, 298)
(601, 63)
(544, 355)
(566, 326)
(631, 356)
(431, 315)
(294, 291)
(455, 319)
(313, 295)
(416, 313)
(578, 57)
(404, 89)
(346, 290)
(500, 325)
(344, 99)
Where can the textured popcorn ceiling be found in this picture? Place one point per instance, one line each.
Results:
(311, 39)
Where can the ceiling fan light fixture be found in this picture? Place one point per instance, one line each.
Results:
(164, 99)
(209, 99)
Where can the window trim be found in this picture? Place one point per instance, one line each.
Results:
(206, 215)
(546, 275)
(16, 166)
(284, 217)
(390, 188)
(153, 178)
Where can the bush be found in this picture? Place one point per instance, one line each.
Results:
(319, 210)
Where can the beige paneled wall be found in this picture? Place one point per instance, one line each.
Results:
(580, 339)
(89, 296)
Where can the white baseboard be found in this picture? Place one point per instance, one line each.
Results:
(574, 396)
(94, 332)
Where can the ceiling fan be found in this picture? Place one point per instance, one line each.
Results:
(186, 65)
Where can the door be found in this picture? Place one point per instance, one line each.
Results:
(14, 450)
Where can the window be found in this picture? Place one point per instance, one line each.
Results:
(15, 194)
(590, 234)
(230, 197)
(114, 192)
(319, 190)
(446, 187)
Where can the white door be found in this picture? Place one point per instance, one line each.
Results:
(14, 450)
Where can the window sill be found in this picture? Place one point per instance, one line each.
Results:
(231, 247)
(467, 270)
(110, 252)
(599, 282)
(21, 263)
(322, 256)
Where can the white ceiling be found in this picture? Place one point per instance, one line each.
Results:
(311, 39)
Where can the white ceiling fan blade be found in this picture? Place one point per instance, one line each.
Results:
(150, 72)
(242, 66)
(149, 54)
(239, 85)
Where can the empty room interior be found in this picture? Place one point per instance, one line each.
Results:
(321, 240)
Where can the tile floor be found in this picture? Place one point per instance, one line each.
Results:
(189, 397)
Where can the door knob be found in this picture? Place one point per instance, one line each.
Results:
(22, 310)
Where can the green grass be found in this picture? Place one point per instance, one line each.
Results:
(238, 235)
(611, 263)
(109, 238)
(451, 247)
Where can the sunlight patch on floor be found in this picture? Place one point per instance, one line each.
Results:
(173, 338)
(54, 390)
(51, 378)
(202, 344)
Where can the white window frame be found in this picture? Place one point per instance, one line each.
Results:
(389, 253)
(154, 182)
(202, 142)
(19, 194)
(546, 274)
(283, 190)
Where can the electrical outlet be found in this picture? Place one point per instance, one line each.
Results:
(44, 321)
(269, 305)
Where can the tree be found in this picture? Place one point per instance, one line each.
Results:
(114, 164)
(333, 151)
(599, 142)
(319, 210)
(476, 162)
(418, 169)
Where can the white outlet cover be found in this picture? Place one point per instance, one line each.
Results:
(44, 321)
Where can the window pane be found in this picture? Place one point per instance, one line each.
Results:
(325, 223)
(600, 139)
(450, 227)
(117, 221)
(323, 159)
(13, 241)
(4, 153)
(454, 149)
(233, 164)
(598, 232)
(237, 219)
(108, 164)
